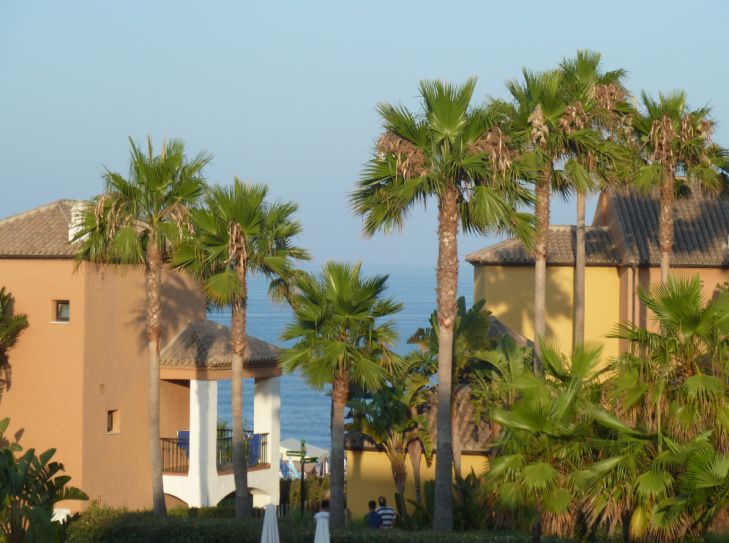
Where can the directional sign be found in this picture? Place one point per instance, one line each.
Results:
(295, 453)
(311, 460)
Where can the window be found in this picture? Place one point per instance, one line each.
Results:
(62, 310)
(112, 422)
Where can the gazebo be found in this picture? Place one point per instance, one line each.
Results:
(197, 462)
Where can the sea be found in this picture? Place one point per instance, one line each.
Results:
(304, 410)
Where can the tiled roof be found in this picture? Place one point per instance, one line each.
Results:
(39, 233)
(600, 249)
(700, 225)
(206, 344)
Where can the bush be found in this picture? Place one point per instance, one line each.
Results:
(103, 525)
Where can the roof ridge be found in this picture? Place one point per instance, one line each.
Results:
(44, 207)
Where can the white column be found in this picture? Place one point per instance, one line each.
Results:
(203, 440)
(267, 420)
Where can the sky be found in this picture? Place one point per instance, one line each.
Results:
(285, 93)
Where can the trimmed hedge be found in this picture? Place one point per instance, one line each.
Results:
(101, 525)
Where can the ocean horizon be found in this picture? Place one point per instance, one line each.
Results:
(305, 411)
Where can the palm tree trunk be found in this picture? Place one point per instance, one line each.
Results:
(399, 476)
(153, 279)
(457, 402)
(447, 291)
(415, 452)
(540, 263)
(340, 393)
(243, 505)
(578, 324)
(665, 226)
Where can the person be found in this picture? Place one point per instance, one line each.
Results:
(387, 514)
(321, 535)
(373, 519)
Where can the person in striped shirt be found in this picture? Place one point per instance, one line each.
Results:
(387, 514)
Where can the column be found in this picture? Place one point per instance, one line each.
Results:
(267, 420)
(203, 440)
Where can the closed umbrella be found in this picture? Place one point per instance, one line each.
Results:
(270, 527)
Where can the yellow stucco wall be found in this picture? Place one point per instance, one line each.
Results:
(369, 476)
(509, 294)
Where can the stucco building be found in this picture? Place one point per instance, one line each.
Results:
(78, 376)
(622, 256)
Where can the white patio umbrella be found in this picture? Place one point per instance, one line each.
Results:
(270, 527)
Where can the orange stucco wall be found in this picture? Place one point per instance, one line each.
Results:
(67, 376)
(45, 397)
(116, 466)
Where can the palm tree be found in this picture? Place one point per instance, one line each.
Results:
(668, 405)
(471, 345)
(340, 339)
(551, 129)
(386, 418)
(238, 233)
(136, 221)
(458, 155)
(596, 99)
(544, 446)
(11, 326)
(676, 148)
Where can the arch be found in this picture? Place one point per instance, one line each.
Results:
(175, 502)
(229, 498)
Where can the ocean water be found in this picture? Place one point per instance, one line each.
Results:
(304, 410)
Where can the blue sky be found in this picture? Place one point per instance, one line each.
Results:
(285, 92)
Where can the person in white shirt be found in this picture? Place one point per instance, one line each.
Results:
(387, 514)
(321, 535)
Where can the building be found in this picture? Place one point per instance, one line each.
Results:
(78, 379)
(622, 256)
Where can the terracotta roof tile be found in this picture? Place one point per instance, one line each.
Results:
(600, 249)
(39, 233)
(701, 228)
(206, 344)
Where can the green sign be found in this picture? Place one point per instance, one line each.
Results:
(311, 459)
(295, 453)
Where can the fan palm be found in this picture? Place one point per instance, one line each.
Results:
(675, 145)
(595, 99)
(236, 234)
(544, 447)
(340, 338)
(458, 155)
(136, 221)
(11, 326)
(470, 346)
(551, 130)
(670, 403)
(386, 417)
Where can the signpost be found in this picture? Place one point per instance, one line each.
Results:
(303, 459)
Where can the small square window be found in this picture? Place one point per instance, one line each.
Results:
(63, 310)
(112, 422)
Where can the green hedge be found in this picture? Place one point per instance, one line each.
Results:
(100, 525)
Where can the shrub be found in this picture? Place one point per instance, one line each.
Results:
(30, 485)
(103, 525)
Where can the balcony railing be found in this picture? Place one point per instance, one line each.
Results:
(176, 451)
(257, 449)
(175, 454)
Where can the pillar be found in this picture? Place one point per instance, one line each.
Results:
(203, 441)
(267, 420)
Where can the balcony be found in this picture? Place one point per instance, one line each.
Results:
(176, 451)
